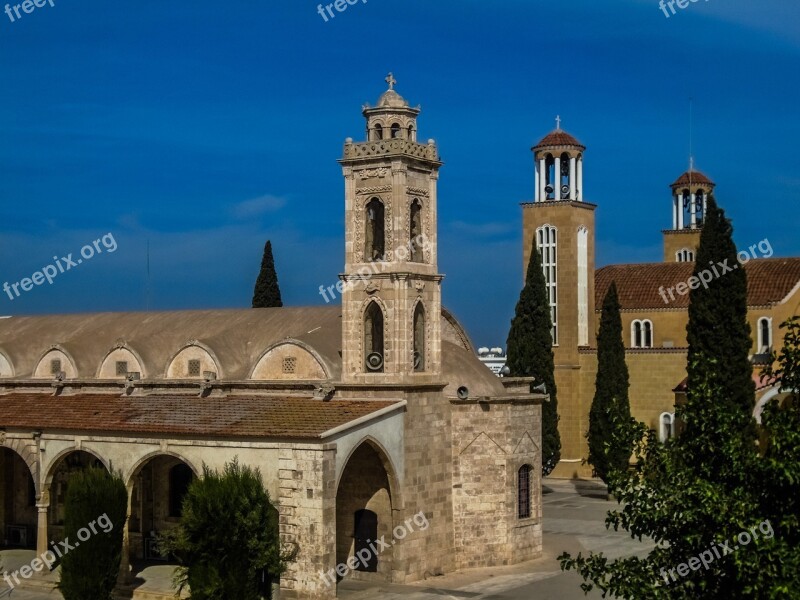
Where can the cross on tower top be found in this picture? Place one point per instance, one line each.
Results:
(558, 122)
(391, 81)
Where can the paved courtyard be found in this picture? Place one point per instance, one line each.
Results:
(574, 512)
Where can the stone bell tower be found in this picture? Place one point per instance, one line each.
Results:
(391, 302)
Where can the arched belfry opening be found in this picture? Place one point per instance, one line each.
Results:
(374, 353)
(374, 234)
(419, 338)
(415, 232)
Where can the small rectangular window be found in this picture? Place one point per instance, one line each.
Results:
(194, 368)
(524, 488)
(122, 367)
(289, 364)
(55, 366)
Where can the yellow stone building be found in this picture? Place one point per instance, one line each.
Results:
(654, 297)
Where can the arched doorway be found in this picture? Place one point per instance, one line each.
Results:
(159, 486)
(58, 483)
(364, 506)
(18, 512)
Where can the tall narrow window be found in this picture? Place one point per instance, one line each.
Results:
(373, 339)
(546, 244)
(415, 230)
(636, 334)
(583, 286)
(395, 130)
(378, 132)
(647, 327)
(374, 237)
(419, 338)
(666, 427)
(764, 335)
(564, 182)
(524, 492)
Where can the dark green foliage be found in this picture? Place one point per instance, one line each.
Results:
(530, 353)
(719, 347)
(227, 535)
(267, 294)
(96, 499)
(713, 482)
(609, 435)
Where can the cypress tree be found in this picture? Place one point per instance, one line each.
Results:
(95, 509)
(530, 353)
(267, 294)
(719, 346)
(610, 413)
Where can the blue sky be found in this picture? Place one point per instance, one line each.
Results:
(202, 129)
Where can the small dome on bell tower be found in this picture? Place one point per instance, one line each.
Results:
(392, 118)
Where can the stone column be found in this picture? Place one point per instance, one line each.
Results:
(693, 211)
(542, 179)
(580, 179)
(536, 185)
(557, 182)
(572, 181)
(674, 212)
(680, 210)
(125, 576)
(42, 506)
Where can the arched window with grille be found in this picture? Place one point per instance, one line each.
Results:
(374, 235)
(419, 338)
(415, 231)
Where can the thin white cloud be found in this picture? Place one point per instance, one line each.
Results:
(258, 206)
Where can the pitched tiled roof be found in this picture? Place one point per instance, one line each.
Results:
(693, 177)
(558, 137)
(228, 417)
(769, 280)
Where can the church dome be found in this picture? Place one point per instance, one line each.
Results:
(693, 177)
(391, 99)
(558, 137)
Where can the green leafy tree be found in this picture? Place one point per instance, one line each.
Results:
(267, 294)
(610, 435)
(530, 353)
(710, 486)
(228, 536)
(95, 509)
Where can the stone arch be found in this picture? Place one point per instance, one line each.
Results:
(120, 353)
(367, 485)
(178, 367)
(45, 365)
(19, 495)
(289, 359)
(157, 485)
(6, 366)
(137, 466)
(374, 318)
(27, 450)
(55, 463)
(420, 335)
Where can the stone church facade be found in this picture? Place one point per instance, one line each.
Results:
(653, 297)
(361, 418)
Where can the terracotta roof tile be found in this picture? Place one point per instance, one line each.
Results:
(558, 137)
(769, 280)
(232, 416)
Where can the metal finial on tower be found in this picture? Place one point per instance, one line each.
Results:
(391, 81)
